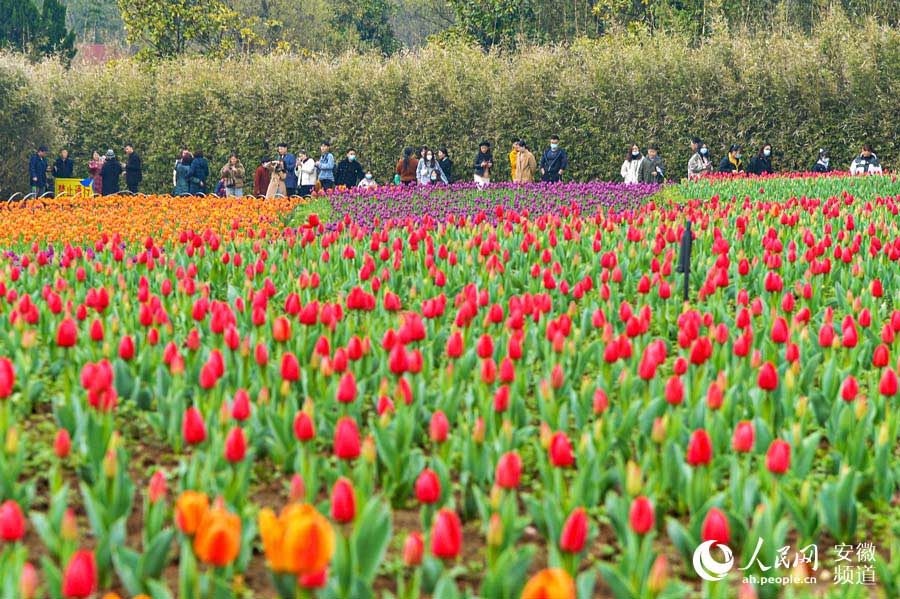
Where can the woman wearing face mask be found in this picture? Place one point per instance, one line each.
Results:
(733, 163)
(821, 165)
(700, 163)
(368, 181)
(429, 171)
(631, 168)
(762, 162)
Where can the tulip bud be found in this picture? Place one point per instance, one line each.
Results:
(110, 464)
(495, 497)
(883, 434)
(633, 478)
(369, 451)
(478, 430)
(659, 575)
(157, 488)
(861, 408)
(804, 492)
(413, 549)
(68, 529)
(546, 435)
(12, 440)
(495, 531)
(747, 591)
(507, 428)
(28, 582)
(62, 444)
(598, 429)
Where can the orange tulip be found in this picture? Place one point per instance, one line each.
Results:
(189, 511)
(300, 541)
(218, 539)
(551, 583)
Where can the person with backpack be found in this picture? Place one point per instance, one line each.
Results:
(652, 169)
(554, 162)
(349, 172)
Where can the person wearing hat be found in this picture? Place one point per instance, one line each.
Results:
(37, 171)
(289, 164)
(484, 161)
(326, 166)
(652, 169)
(700, 163)
(554, 162)
(133, 169)
(821, 165)
(110, 173)
(733, 162)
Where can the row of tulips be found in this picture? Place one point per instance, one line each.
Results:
(529, 375)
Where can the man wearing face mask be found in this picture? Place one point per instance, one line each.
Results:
(553, 162)
(821, 165)
(733, 163)
(349, 173)
(762, 162)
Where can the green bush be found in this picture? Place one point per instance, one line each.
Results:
(835, 88)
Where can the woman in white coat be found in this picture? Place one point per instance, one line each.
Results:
(306, 174)
(631, 168)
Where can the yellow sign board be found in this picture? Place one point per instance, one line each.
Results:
(71, 187)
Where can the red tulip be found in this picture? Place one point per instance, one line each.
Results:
(281, 329)
(715, 527)
(62, 444)
(826, 335)
(887, 386)
(12, 522)
(768, 377)
(80, 578)
(28, 582)
(485, 347)
(455, 345)
(881, 356)
(446, 534)
(7, 378)
(304, 429)
(316, 580)
(290, 368)
(439, 427)
(699, 450)
(126, 348)
(849, 388)
(778, 458)
(343, 501)
(674, 390)
(641, 515)
(240, 408)
(157, 488)
(346, 392)
(780, 330)
(509, 470)
(413, 549)
(66, 333)
(193, 428)
(235, 445)
(428, 487)
(346, 439)
(574, 532)
(560, 449)
(743, 437)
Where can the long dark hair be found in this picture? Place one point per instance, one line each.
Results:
(434, 160)
(407, 154)
(762, 149)
(629, 157)
(186, 159)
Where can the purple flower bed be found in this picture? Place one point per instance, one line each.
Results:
(467, 200)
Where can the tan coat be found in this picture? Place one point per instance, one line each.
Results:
(276, 182)
(526, 167)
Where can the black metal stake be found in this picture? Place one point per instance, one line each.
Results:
(684, 258)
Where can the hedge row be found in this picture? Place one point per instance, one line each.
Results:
(835, 89)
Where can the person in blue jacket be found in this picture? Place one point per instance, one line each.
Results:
(37, 171)
(198, 174)
(326, 166)
(289, 162)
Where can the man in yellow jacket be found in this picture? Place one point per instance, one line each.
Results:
(513, 157)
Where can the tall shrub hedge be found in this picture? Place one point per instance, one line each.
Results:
(835, 89)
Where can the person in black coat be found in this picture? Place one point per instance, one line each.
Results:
(37, 171)
(133, 174)
(110, 174)
(198, 174)
(63, 167)
(821, 165)
(484, 162)
(445, 163)
(349, 172)
(733, 162)
(762, 162)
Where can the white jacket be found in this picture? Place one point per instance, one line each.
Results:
(631, 170)
(306, 172)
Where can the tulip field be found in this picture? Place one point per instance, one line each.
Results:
(440, 393)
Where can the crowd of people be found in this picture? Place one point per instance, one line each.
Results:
(287, 174)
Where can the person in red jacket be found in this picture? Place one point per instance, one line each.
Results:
(261, 179)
